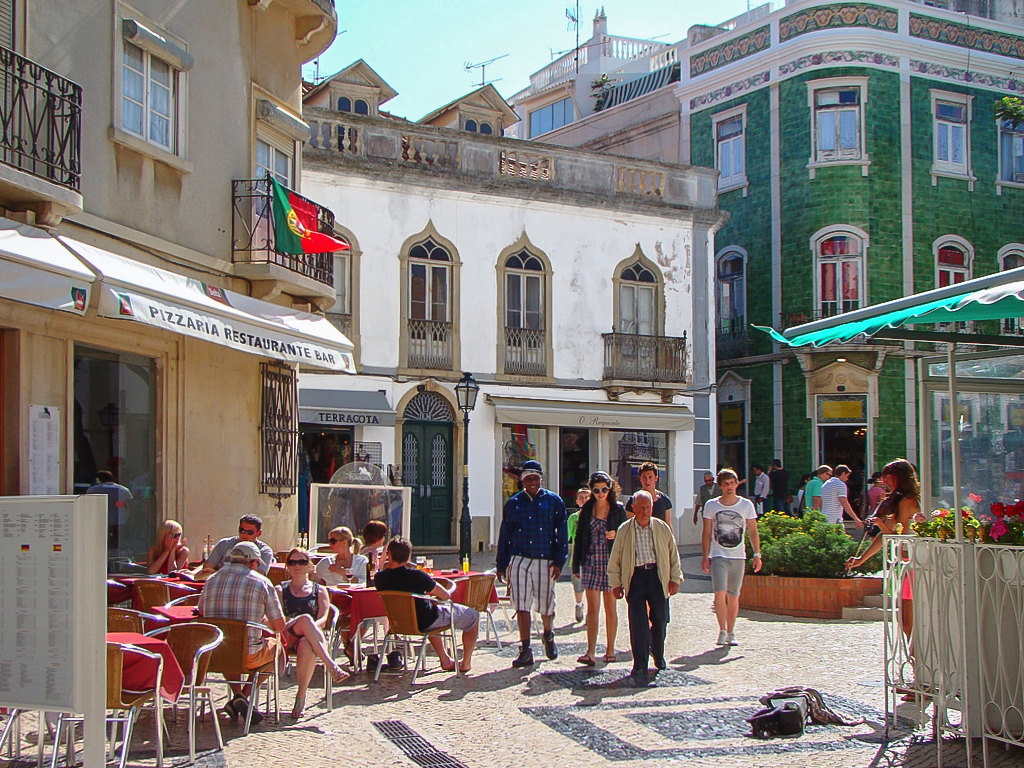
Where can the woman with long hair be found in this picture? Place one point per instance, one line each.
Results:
(169, 553)
(599, 519)
(306, 608)
(347, 565)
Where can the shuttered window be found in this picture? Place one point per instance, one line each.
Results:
(7, 23)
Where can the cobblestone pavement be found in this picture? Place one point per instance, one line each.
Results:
(558, 713)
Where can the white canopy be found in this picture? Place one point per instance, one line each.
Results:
(583, 413)
(36, 269)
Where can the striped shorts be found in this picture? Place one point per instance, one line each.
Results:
(531, 586)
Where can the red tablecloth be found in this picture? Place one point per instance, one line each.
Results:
(177, 614)
(366, 603)
(140, 673)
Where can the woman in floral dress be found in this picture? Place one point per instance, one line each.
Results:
(599, 518)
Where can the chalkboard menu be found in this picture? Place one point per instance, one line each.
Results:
(52, 601)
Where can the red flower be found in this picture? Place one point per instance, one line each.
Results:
(998, 509)
(974, 497)
(998, 529)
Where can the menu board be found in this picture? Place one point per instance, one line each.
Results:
(43, 450)
(52, 601)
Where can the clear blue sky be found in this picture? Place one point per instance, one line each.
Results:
(420, 47)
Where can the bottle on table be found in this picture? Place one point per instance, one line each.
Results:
(465, 563)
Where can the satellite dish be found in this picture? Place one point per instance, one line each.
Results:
(359, 473)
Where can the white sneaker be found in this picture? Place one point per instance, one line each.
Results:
(723, 638)
(579, 612)
(733, 640)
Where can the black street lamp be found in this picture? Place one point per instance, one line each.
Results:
(466, 391)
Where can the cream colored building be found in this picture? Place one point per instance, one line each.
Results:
(160, 335)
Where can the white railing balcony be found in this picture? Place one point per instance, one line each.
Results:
(430, 345)
(525, 351)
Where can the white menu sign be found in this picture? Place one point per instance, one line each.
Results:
(52, 600)
(43, 450)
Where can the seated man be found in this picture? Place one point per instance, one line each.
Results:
(250, 528)
(396, 576)
(238, 591)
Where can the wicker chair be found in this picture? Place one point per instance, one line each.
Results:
(228, 660)
(479, 589)
(277, 574)
(151, 593)
(402, 625)
(127, 620)
(192, 645)
(186, 600)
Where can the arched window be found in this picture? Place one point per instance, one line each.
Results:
(429, 303)
(952, 263)
(638, 300)
(524, 283)
(732, 294)
(344, 104)
(485, 129)
(1012, 257)
(362, 108)
(839, 254)
(471, 126)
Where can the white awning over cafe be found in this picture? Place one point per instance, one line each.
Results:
(594, 415)
(36, 269)
(137, 292)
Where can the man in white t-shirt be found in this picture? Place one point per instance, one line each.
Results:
(725, 556)
(833, 497)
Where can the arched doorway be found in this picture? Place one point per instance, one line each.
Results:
(427, 468)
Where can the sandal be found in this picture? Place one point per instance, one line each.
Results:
(610, 658)
(586, 661)
(338, 674)
(300, 705)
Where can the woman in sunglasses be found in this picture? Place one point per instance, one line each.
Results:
(599, 518)
(169, 553)
(306, 608)
(347, 566)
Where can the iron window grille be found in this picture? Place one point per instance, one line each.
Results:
(279, 431)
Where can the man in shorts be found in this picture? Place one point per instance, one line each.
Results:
(725, 556)
(533, 546)
(396, 576)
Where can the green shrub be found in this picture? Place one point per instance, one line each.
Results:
(807, 547)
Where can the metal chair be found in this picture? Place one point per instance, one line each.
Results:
(192, 645)
(331, 635)
(228, 660)
(151, 593)
(127, 620)
(122, 707)
(479, 589)
(402, 625)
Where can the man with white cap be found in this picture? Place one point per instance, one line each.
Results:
(533, 546)
(239, 591)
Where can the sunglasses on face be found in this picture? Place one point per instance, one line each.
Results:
(602, 489)
(246, 532)
(334, 541)
(176, 535)
(297, 562)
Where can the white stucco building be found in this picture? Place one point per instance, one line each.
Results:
(575, 287)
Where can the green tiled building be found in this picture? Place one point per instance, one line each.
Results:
(861, 160)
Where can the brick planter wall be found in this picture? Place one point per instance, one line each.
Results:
(806, 597)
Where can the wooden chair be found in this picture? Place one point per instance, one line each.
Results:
(186, 600)
(331, 635)
(478, 597)
(402, 625)
(192, 645)
(228, 660)
(151, 593)
(122, 707)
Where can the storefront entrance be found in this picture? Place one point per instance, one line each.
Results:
(575, 445)
(427, 468)
(843, 439)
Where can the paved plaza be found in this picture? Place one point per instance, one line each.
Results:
(559, 714)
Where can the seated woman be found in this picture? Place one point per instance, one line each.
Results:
(306, 608)
(169, 553)
(347, 566)
(375, 535)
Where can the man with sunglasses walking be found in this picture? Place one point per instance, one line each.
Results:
(250, 528)
(533, 546)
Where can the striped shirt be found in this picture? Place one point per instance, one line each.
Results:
(238, 592)
(643, 543)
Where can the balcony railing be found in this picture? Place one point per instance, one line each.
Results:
(525, 352)
(628, 357)
(733, 339)
(430, 345)
(40, 121)
(252, 233)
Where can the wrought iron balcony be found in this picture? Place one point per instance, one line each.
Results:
(525, 352)
(252, 237)
(733, 339)
(40, 135)
(656, 359)
(430, 344)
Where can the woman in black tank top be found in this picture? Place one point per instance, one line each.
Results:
(306, 608)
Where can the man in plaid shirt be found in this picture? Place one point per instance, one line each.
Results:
(239, 591)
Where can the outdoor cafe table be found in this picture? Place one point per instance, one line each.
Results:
(366, 603)
(177, 614)
(139, 673)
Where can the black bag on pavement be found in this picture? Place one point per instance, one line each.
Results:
(781, 717)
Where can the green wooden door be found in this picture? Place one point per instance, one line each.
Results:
(427, 469)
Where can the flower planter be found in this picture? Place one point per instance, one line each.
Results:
(806, 597)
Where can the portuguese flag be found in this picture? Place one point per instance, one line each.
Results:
(295, 225)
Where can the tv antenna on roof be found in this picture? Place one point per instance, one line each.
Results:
(482, 66)
(573, 15)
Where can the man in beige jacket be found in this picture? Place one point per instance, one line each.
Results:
(644, 566)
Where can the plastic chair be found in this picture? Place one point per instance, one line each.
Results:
(192, 644)
(331, 636)
(228, 660)
(119, 708)
(479, 589)
(402, 625)
(127, 620)
(186, 600)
